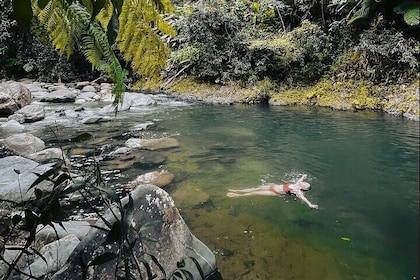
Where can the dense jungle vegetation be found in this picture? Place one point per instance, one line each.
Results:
(270, 43)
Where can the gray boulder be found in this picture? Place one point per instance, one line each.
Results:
(48, 234)
(174, 241)
(12, 126)
(130, 99)
(46, 154)
(24, 143)
(14, 186)
(61, 95)
(54, 256)
(13, 96)
(32, 112)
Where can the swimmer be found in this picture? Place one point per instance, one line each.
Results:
(278, 190)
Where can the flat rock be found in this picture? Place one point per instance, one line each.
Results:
(62, 95)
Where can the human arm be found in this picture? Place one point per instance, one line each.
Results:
(304, 176)
(302, 197)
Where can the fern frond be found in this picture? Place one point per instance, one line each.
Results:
(142, 24)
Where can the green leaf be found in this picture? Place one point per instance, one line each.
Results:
(81, 137)
(88, 4)
(197, 264)
(112, 29)
(103, 258)
(117, 5)
(38, 193)
(61, 178)
(127, 216)
(22, 11)
(150, 224)
(97, 7)
(412, 16)
(42, 3)
(16, 219)
(405, 7)
(114, 235)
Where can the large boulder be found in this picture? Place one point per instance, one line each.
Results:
(32, 112)
(18, 174)
(174, 241)
(13, 96)
(24, 143)
(130, 99)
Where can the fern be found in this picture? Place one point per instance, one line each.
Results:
(142, 24)
(72, 24)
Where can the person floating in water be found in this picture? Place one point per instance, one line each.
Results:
(277, 190)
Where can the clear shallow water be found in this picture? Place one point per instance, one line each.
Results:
(363, 168)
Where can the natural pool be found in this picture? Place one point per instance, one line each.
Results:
(363, 168)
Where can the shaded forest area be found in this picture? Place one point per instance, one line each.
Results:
(291, 42)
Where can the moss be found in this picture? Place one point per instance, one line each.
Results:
(400, 100)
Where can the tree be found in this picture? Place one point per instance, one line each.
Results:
(101, 28)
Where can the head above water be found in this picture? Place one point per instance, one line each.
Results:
(303, 186)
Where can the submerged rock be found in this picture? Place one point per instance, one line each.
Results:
(160, 179)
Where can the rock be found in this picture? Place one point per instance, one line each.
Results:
(15, 186)
(50, 153)
(152, 144)
(12, 126)
(55, 255)
(4, 151)
(174, 243)
(110, 108)
(130, 99)
(32, 112)
(144, 126)
(24, 143)
(48, 234)
(13, 96)
(17, 117)
(147, 159)
(61, 95)
(138, 99)
(96, 119)
(87, 95)
(160, 179)
(80, 85)
(89, 88)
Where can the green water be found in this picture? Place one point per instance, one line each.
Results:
(364, 173)
(363, 168)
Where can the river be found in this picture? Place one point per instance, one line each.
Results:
(363, 168)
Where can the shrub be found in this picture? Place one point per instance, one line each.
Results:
(380, 56)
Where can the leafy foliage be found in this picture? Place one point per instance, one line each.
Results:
(381, 57)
